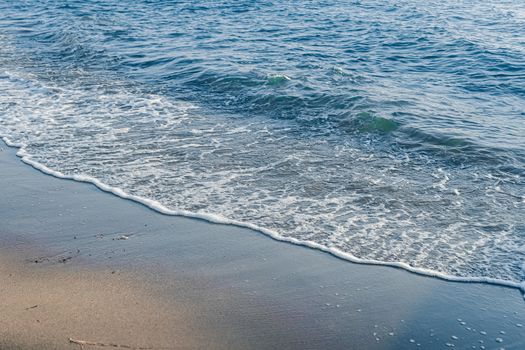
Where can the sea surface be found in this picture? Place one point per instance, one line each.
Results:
(389, 132)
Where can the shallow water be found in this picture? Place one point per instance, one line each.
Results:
(391, 132)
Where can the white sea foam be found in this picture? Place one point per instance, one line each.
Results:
(218, 219)
(331, 194)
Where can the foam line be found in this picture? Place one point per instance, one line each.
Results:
(217, 219)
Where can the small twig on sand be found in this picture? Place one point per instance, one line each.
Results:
(113, 345)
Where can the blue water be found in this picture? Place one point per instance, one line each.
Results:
(391, 131)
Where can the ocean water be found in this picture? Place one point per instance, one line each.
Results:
(389, 132)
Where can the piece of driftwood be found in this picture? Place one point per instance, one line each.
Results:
(112, 345)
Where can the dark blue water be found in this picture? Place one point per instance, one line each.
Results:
(389, 131)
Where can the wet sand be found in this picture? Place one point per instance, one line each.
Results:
(79, 263)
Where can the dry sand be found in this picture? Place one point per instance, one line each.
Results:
(43, 306)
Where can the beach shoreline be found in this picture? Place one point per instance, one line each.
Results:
(217, 219)
(69, 246)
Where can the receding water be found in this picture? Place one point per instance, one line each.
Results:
(392, 131)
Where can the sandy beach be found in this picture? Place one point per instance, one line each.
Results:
(248, 174)
(78, 263)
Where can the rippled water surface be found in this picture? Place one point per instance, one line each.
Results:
(390, 130)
